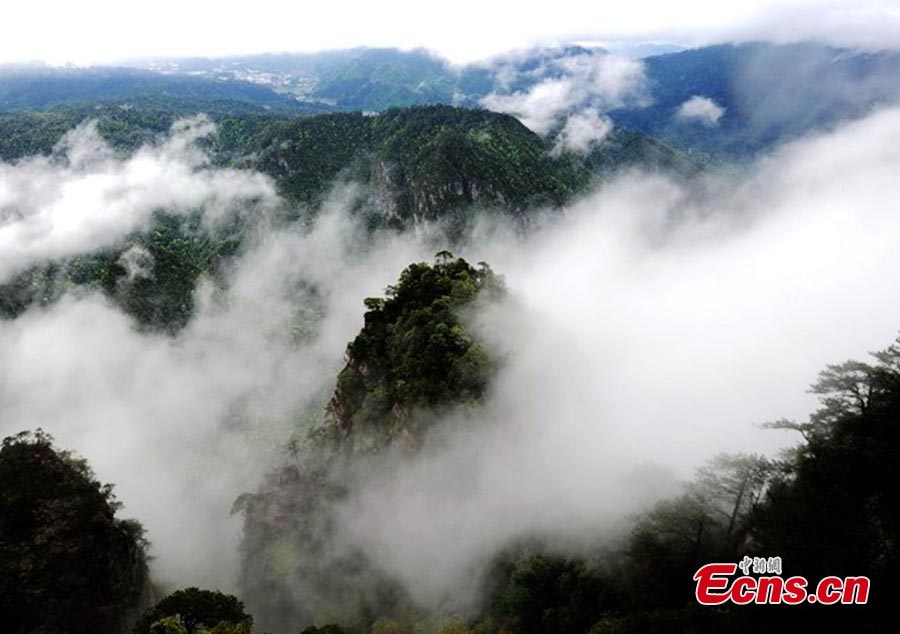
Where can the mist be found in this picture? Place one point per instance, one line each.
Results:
(567, 96)
(83, 197)
(649, 326)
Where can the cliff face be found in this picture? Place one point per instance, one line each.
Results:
(413, 361)
(414, 357)
(423, 163)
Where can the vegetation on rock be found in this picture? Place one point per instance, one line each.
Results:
(414, 359)
(414, 353)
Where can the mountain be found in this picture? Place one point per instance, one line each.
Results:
(420, 164)
(413, 355)
(356, 79)
(67, 563)
(25, 88)
(751, 97)
(414, 359)
(769, 93)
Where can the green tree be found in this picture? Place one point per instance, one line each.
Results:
(414, 353)
(196, 611)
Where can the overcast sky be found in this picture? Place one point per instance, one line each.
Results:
(94, 31)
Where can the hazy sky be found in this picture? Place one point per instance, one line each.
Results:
(91, 31)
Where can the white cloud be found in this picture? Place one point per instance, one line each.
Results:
(83, 198)
(581, 131)
(95, 30)
(183, 425)
(540, 107)
(568, 84)
(700, 109)
(649, 326)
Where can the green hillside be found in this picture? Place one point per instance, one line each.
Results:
(422, 163)
(419, 164)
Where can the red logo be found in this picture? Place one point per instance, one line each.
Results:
(717, 584)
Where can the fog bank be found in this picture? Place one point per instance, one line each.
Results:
(648, 328)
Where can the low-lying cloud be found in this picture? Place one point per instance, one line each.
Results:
(653, 324)
(580, 87)
(182, 425)
(581, 131)
(84, 197)
(700, 109)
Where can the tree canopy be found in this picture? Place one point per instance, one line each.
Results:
(192, 611)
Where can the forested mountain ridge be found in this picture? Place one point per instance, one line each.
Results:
(764, 90)
(422, 164)
(480, 152)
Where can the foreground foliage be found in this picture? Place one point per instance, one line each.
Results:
(68, 565)
(196, 611)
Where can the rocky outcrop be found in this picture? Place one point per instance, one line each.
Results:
(413, 360)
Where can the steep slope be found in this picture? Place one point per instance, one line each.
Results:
(414, 360)
(423, 163)
(413, 355)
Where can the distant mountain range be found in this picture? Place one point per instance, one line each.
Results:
(765, 93)
(291, 117)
